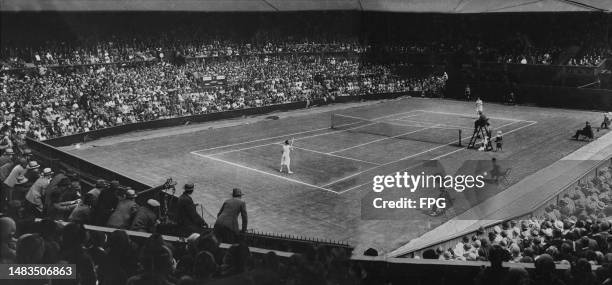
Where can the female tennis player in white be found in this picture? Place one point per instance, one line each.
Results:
(479, 108)
(286, 158)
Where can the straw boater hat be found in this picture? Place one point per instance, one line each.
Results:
(21, 180)
(153, 203)
(33, 165)
(130, 193)
(9, 151)
(47, 171)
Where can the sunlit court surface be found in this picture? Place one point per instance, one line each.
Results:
(338, 149)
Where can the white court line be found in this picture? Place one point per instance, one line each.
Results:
(330, 154)
(268, 138)
(428, 123)
(286, 135)
(404, 158)
(467, 115)
(263, 172)
(449, 153)
(377, 140)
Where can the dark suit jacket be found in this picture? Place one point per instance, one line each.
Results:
(228, 215)
(186, 212)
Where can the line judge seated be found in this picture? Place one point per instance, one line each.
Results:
(586, 132)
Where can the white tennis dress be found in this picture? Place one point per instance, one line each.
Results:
(479, 106)
(286, 159)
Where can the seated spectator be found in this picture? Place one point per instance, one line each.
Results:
(146, 218)
(7, 240)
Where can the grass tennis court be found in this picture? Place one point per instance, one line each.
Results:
(334, 166)
(349, 153)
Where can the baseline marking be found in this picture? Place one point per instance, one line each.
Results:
(263, 172)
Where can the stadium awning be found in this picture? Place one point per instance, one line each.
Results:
(417, 6)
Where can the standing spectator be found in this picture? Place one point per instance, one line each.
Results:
(107, 202)
(187, 217)
(34, 197)
(146, 217)
(226, 226)
(126, 209)
(83, 212)
(11, 180)
(32, 172)
(100, 186)
(120, 261)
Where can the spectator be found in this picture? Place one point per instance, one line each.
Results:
(188, 218)
(146, 218)
(126, 209)
(226, 227)
(83, 212)
(7, 240)
(107, 203)
(34, 197)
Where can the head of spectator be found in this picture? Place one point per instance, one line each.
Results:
(188, 188)
(73, 236)
(7, 239)
(236, 259)
(32, 164)
(30, 249)
(47, 172)
(237, 193)
(9, 152)
(204, 265)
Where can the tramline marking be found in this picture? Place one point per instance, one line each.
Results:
(263, 172)
(466, 115)
(404, 158)
(531, 123)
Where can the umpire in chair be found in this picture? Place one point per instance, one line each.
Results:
(481, 122)
(187, 218)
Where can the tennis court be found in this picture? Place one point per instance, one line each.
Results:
(347, 154)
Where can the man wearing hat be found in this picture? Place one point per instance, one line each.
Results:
(226, 226)
(126, 209)
(100, 185)
(34, 197)
(33, 171)
(187, 216)
(146, 217)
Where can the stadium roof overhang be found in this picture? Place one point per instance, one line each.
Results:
(416, 6)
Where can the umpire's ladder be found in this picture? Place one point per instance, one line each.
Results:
(481, 132)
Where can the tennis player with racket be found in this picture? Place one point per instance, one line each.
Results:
(286, 158)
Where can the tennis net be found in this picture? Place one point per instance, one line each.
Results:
(423, 132)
